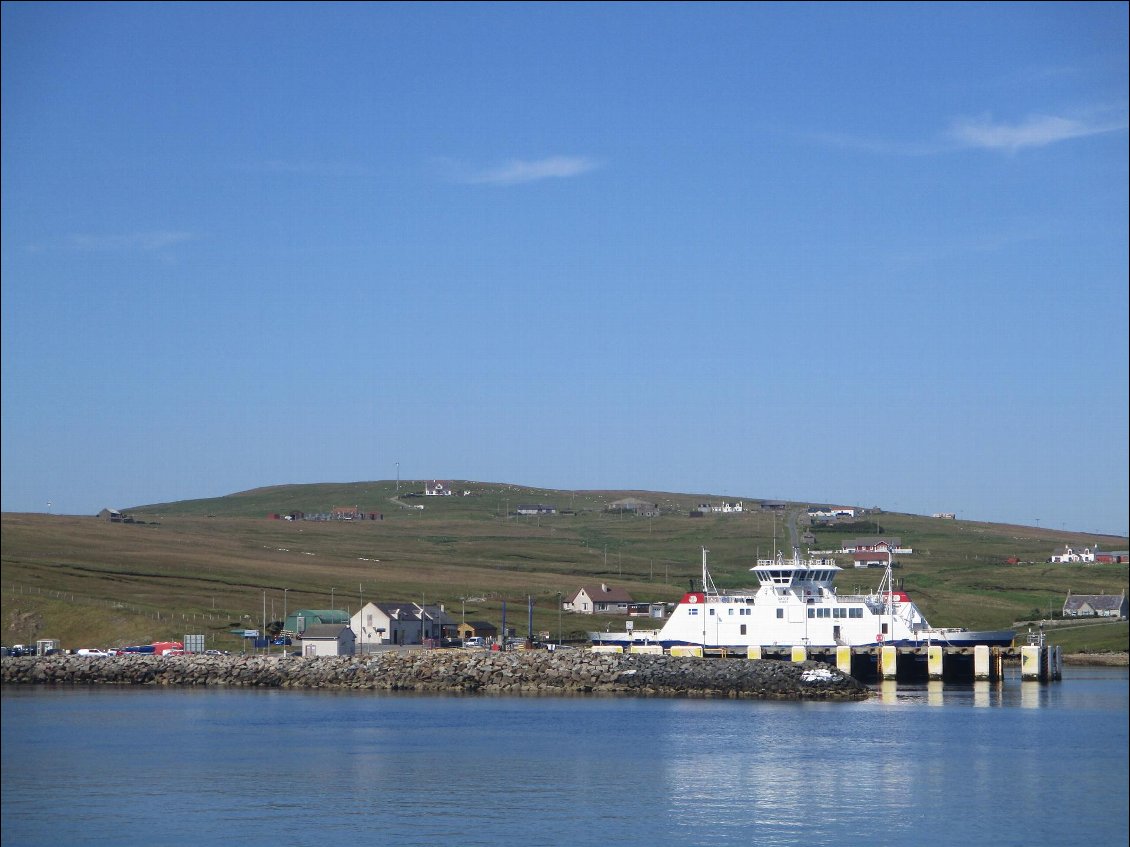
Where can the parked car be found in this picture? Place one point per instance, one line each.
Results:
(474, 641)
(90, 651)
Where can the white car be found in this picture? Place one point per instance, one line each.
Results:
(89, 651)
(473, 642)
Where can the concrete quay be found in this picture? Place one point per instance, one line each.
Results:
(564, 672)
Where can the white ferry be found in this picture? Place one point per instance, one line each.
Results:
(797, 605)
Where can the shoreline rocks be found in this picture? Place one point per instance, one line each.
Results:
(458, 672)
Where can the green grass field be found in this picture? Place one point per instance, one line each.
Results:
(209, 566)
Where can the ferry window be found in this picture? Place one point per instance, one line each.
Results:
(711, 611)
(811, 612)
(693, 611)
(730, 611)
(743, 629)
(781, 613)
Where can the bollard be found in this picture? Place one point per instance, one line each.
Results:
(753, 653)
(934, 661)
(843, 659)
(799, 654)
(888, 662)
(686, 650)
(980, 661)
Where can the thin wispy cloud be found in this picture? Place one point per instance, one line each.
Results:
(143, 242)
(520, 171)
(1034, 131)
(986, 134)
(133, 242)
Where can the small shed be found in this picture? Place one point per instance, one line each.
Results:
(480, 629)
(327, 639)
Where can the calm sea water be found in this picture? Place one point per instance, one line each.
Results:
(990, 764)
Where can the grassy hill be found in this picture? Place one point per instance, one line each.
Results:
(210, 566)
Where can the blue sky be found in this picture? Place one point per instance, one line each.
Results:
(864, 254)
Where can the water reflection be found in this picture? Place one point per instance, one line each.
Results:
(781, 771)
(994, 766)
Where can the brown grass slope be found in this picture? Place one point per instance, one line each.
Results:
(209, 566)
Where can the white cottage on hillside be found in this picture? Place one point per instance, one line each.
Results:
(1069, 555)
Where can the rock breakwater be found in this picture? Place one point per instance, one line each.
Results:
(457, 671)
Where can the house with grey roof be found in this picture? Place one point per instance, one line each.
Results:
(1095, 606)
(599, 600)
(400, 623)
(634, 505)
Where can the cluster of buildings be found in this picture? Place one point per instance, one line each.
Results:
(334, 632)
(378, 626)
(717, 509)
(337, 513)
(1089, 556)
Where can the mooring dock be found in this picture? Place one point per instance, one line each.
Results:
(1038, 663)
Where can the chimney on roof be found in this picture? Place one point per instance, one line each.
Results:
(603, 587)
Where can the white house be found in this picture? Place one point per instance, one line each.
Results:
(400, 623)
(829, 512)
(599, 600)
(1070, 555)
(721, 508)
(327, 639)
(436, 488)
(882, 544)
(536, 509)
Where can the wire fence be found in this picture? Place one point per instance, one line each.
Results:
(215, 617)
